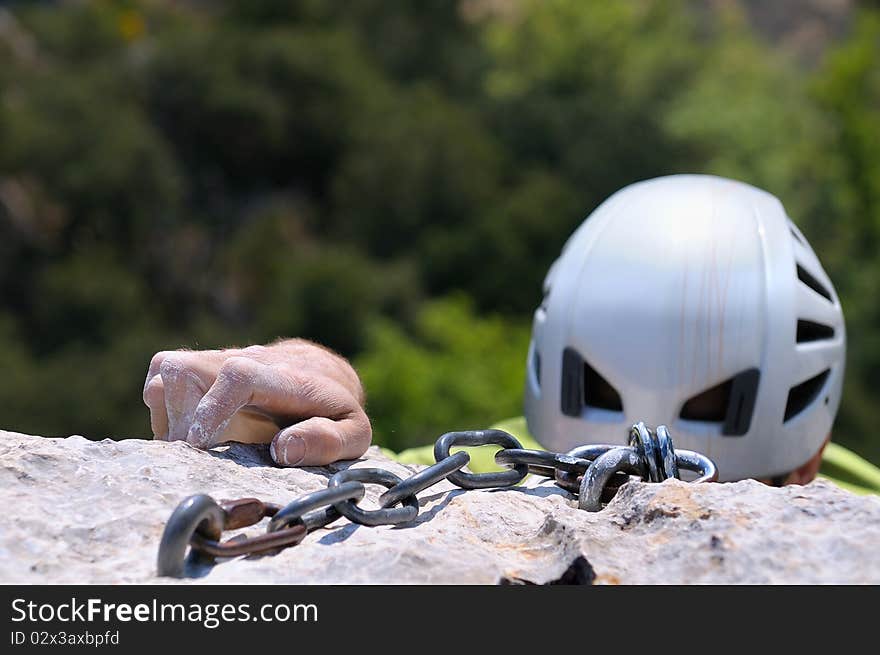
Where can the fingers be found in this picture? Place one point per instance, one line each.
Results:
(183, 389)
(155, 363)
(167, 400)
(209, 396)
(318, 441)
(270, 389)
(233, 389)
(154, 397)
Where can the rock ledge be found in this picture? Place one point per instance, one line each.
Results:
(80, 511)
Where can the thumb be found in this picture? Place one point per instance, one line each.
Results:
(318, 440)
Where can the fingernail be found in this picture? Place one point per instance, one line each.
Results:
(288, 450)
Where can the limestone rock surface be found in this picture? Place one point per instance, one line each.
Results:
(80, 511)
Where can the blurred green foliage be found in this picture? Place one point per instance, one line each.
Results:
(453, 371)
(389, 178)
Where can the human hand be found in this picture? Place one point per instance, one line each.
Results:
(304, 400)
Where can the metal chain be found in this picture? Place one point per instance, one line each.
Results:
(593, 472)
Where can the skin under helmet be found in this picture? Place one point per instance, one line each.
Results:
(693, 302)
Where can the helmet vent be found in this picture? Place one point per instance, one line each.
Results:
(571, 395)
(730, 403)
(812, 282)
(536, 366)
(583, 386)
(598, 392)
(710, 405)
(794, 233)
(809, 331)
(801, 395)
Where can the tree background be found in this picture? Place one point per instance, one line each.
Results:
(392, 179)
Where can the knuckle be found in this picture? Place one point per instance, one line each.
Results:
(154, 392)
(256, 351)
(305, 384)
(159, 357)
(173, 364)
(238, 368)
(156, 360)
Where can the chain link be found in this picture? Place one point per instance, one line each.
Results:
(300, 510)
(383, 516)
(480, 438)
(593, 472)
(425, 478)
(199, 521)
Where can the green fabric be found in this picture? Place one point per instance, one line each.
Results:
(839, 465)
(849, 471)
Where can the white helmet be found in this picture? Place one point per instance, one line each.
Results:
(693, 302)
